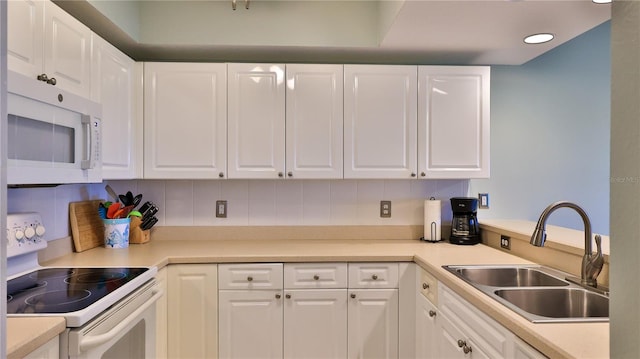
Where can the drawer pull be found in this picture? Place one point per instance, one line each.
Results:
(288, 296)
(316, 277)
(461, 343)
(353, 295)
(425, 286)
(278, 296)
(374, 277)
(432, 313)
(249, 279)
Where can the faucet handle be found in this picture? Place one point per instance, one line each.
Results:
(595, 262)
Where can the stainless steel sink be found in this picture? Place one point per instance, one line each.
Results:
(558, 302)
(508, 276)
(538, 293)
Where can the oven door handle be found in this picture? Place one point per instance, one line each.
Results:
(89, 342)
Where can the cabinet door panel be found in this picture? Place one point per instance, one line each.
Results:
(314, 121)
(426, 328)
(192, 316)
(185, 120)
(250, 324)
(114, 86)
(373, 323)
(315, 324)
(256, 120)
(67, 51)
(380, 105)
(454, 121)
(25, 36)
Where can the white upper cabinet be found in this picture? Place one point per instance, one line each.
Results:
(44, 39)
(314, 113)
(185, 118)
(117, 85)
(380, 105)
(453, 123)
(256, 120)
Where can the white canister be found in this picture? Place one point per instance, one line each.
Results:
(432, 220)
(116, 232)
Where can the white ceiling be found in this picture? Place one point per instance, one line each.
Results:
(365, 31)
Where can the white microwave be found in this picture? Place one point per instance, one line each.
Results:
(54, 137)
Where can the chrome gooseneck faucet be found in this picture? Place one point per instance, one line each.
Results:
(591, 262)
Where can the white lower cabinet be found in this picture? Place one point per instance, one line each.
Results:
(373, 323)
(453, 328)
(49, 350)
(192, 314)
(161, 315)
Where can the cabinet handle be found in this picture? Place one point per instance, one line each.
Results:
(432, 313)
(52, 81)
(221, 174)
(425, 286)
(422, 174)
(249, 278)
(290, 174)
(288, 296)
(280, 174)
(461, 343)
(374, 277)
(413, 174)
(43, 77)
(278, 296)
(466, 349)
(316, 277)
(353, 295)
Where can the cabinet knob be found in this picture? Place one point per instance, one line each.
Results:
(278, 296)
(52, 81)
(249, 278)
(221, 174)
(290, 174)
(316, 277)
(280, 174)
(374, 277)
(461, 343)
(432, 313)
(425, 286)
(466, 349)
(422, 174)
(353, 295)
(60, 97)
(413, 174)
(43, 77)
(288, 296)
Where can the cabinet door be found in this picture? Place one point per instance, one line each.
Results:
(453, 125)
(115, 85)
(314, 123)
(380, 121)
(67, 51)
(373, 323)
(185, 112)
(50, 350)
(193, 311)
(25, 21)
(426, 328)
(315, 324)
(256, 120)
(250, 324)
(447, 337)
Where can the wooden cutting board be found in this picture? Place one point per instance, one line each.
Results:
(87, 229)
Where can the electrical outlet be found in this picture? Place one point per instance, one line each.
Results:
(385, 209)
(221, 209)
(484, 200)
(505, 242)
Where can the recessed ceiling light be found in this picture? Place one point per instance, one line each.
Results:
(602, 1)
(538, 38)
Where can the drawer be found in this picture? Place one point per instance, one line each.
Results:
(315, 275)
(428, 286)
(250, 276)
(373, 275)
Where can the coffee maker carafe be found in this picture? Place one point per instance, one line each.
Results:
(464, 226)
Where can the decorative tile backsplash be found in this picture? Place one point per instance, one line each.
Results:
(252, 202)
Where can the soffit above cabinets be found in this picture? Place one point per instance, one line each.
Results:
(476, 32)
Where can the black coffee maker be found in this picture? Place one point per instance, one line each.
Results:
(464, 226)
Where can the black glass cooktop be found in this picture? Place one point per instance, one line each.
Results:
(64, 290)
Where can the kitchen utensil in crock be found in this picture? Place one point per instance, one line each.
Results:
(112, 193)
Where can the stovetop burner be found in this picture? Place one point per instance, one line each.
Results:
(64, 290)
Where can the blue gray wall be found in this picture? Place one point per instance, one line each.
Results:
(550, 122)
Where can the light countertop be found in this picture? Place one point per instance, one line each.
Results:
(554, 340)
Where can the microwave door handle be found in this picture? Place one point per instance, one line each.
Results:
(91, 141)
(89, 342)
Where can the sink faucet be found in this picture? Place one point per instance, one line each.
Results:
(591, 262)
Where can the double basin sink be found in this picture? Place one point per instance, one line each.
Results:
(538, 293)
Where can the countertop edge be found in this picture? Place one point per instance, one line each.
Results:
(40, 330)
